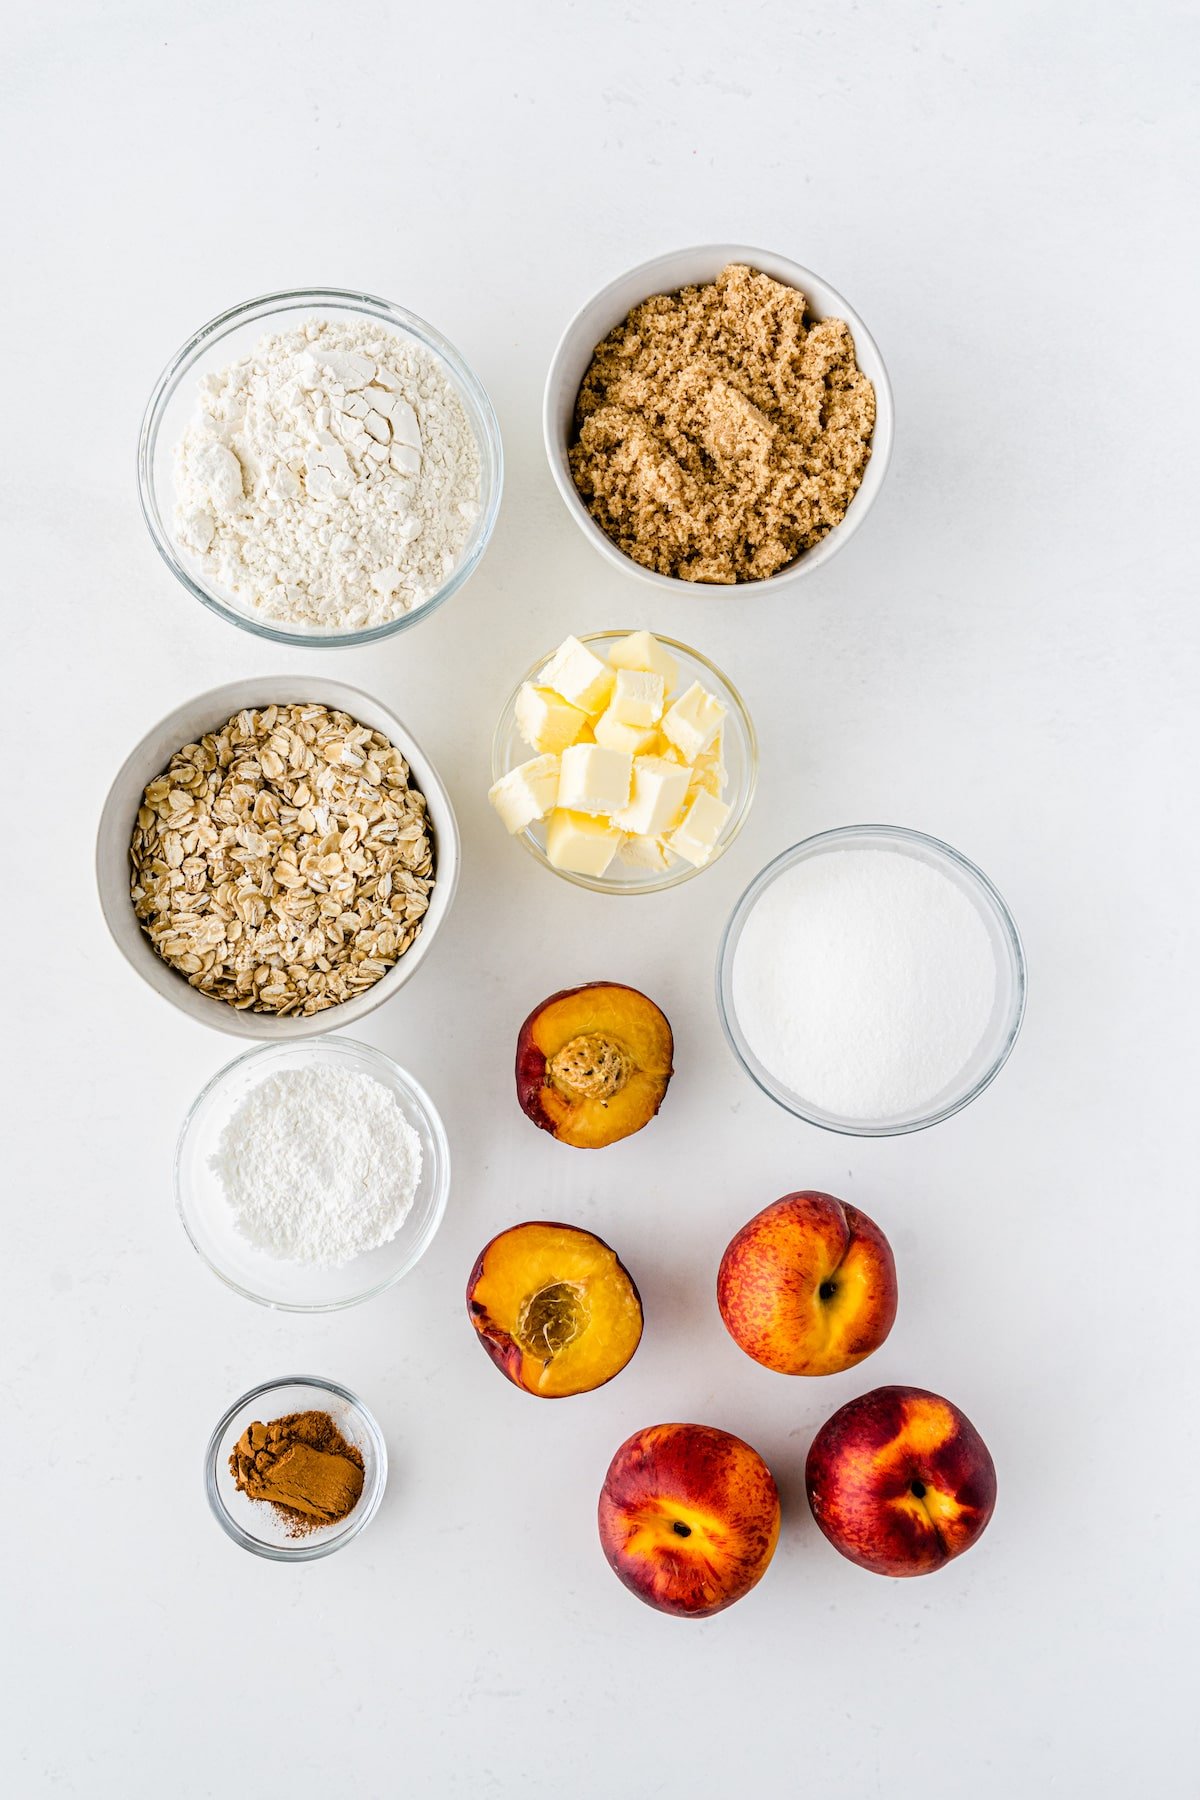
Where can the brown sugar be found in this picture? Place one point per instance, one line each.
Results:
(719, 436)
(302, 1466)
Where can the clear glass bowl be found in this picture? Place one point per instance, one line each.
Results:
(254, 1524)
(1008, 1008)
(221, 342)
(209, 1221)
(741, 760)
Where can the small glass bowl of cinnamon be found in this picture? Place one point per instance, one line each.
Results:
(295, 1469)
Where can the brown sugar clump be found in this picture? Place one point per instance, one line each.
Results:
(302, 1466)
(718, 435)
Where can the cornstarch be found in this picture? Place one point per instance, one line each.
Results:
(864, 981)
(319, 1165)
(330, 479)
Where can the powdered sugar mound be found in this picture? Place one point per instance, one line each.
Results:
(864, 981)
(330, 479)
(319, 1165)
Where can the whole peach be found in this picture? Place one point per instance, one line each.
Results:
(689, 1518)
(808, 1287)
(900, 1481)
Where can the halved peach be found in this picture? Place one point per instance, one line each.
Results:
(593, 1063)
(555, 1308)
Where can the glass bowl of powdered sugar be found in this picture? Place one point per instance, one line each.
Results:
(312, 1175)
(871, 980)
(320, 466)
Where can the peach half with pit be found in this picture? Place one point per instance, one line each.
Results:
(555, 1308)
(688, 1517)
(808, 1286)
(900, 1481)
(593, 1063)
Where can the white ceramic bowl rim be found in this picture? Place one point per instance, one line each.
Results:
(666, 274)
(150, 756)
(479, 409)
(776, 1090)
(309, 1549)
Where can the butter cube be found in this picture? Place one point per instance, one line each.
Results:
(582, 845)
(594, 779)
(696, 835)
(546, 721)
(709, 771)
(642, 651)
(693, 722)
(527, 793)
(579, 677)
(638, 740)
(644, 853)
(638, 697)
(656, 799)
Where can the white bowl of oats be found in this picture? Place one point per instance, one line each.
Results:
(276, 856)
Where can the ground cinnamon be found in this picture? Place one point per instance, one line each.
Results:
(302, 1466)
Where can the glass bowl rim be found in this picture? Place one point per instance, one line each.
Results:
(306, 1046)
(306, 1550)
(685, 871)
(744, 905)
(261, 307)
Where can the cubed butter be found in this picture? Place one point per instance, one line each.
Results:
(638, 740)
(579, 843)
(638, 697)
(709, 771)
(579, 676)
(593, 779)
(657, 796)
(644, 853)
(527, 793)
(695, 837)
(641, 650)
(546, 721)
(693, 721)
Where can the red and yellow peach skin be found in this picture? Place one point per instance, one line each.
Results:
(688, 1517)
(900, 1481)
(808, 1287)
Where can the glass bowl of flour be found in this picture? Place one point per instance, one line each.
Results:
(320, 466)
(312, 1175)
(871, 980)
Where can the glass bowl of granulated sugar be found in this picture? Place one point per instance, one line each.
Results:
(871, 980)
(320, 467)
(311, 1175)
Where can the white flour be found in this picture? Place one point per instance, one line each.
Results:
(319, 1165)
(864, 981)
(330, 478)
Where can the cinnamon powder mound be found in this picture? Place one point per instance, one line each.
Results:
(719, 436)
(302, 1466)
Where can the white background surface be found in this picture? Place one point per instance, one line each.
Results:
(1006, 656)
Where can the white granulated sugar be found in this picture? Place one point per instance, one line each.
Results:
(864, 981)
(319, 1165)
(330, 479)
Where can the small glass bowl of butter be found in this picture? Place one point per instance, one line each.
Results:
(624, 761)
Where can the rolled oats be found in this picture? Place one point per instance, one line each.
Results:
(285, 862)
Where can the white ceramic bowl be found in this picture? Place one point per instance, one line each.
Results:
(664, 275)
(210, 1222)
(150, 757)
